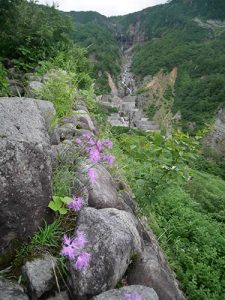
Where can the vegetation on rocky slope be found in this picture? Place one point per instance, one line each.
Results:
(177, 189)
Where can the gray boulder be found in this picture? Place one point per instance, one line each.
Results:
(11, 291)
(144, 292)
(16, 88)
(25, 170)
(40, 276)
(47, 110)
(33, 88)
(59, 296)
(103, 192)
(216, 138)
(112, 240)
(152, 270)
(80, 119)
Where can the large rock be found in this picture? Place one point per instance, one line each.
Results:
(152, 270)
(33, 88)
(216, 138)
(59, 296)
(80, 119)
(144, 292)
(103, 192)
(16, 87)
(11, 291)
(40, 275)
(25, 170)
(112, 240)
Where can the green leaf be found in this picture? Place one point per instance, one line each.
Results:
(65, 200)
(53, 206)
(63, 211)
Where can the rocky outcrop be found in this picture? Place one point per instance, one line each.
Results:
(25, 170)
(122, 251)
(143, 292)
(103, 192)
(216, 138)
(40, 275)
(152, 270)
(11, 291)
(112, 239)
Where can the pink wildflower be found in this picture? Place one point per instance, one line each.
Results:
(107, 143)
(92, 175)
(109, 159)
(94, 155)
(68, 248)
(76, 204)
(133, 296)
(82, 261)
(80, 240)
(78, 141)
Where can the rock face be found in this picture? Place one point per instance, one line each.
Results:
(103, 192)
(25, 170)
(40, 276)
(80, 119)
(144, 292)
(216, 139)
(112, 239)
(152, 270)
(33, 87)
(11, 291)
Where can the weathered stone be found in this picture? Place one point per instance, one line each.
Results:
(152, 270)
(40, 276)
(32, 77)
(11, 291)
(25, 170)
(144, 292)
(54, 135)
(16, 88)
(80, 118)
(33, 87)
(59, 296)
(47, 110)
(216, 138)
(102, 192)
(112, 240)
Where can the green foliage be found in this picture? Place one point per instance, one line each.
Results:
(72, 60)
(60, 89)
(192, 240)
(92, 31)
(159, 159)
(200, 60)
(35, 38)
(4, 90)
(186, 215)
(58, 204)
(47, 236)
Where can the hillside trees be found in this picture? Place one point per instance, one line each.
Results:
(31, 32)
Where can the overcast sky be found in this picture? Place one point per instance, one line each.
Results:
(105, 7)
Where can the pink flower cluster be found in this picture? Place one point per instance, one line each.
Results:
(75, 204)
(72, 249)
(133, 296)
(95, 149)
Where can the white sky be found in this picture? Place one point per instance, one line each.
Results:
(105, 7)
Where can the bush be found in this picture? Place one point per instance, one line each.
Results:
(60, 89)
(4, 89)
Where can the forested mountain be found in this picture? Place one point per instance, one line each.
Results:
(189, 35)
(95, 33)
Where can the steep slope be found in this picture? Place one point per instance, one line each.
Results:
(95, 32)
(182, 34)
